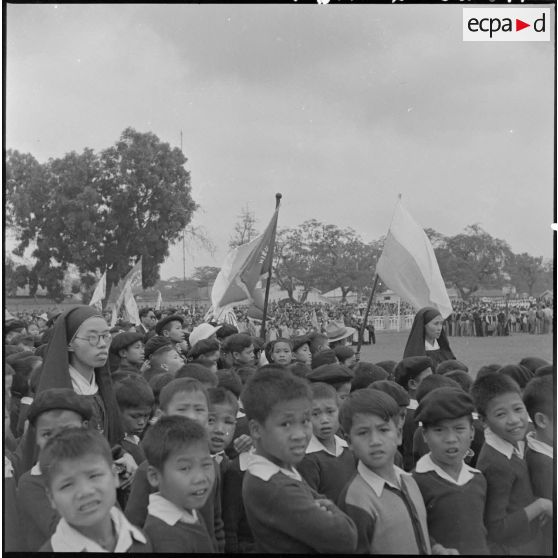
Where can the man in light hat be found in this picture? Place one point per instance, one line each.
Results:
(203, 331)
(338, 334)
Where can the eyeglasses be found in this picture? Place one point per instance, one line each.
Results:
(93, 339)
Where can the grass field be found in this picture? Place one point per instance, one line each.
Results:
(472, 351)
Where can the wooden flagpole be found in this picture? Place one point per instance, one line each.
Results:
(268, 283)
(365, 319)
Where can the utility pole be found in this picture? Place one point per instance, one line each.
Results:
(183, 241)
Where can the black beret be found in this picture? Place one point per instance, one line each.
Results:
(444, 403)
(342, 352)
(331, 374)
(521, 374)
(547, 370)
(299, 341)
(410, 368)
(326, 356)
(172, 318)
(395, 390)
(155, 343)
(124, 340)
(59, 398)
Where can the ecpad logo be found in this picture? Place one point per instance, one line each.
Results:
(506, 24)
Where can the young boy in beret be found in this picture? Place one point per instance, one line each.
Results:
(512, 512)
(454, 493)
(384, 502)
(328, 464)
(160, 357)
(286, 515)
(538, 397)
(81, 484)
(52, 411)
(128, 347)
(409, 373)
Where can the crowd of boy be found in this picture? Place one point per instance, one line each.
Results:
(290, 446)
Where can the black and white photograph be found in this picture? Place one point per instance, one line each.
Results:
(279, 278)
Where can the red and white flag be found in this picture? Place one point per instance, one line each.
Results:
(409, 267)
(242, 269)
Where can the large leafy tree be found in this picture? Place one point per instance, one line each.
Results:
(323, 256)
(100, 211)
(525, 270)
(472, 259)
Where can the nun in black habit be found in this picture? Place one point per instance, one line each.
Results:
(77, 358)
(428, 338)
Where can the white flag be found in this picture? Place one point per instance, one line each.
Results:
(409, 267)
(100, 293)
(242, 269)
(159, 302)
(132, 279)
(131, 312)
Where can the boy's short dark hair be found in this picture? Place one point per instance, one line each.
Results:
(365, 374)
(69, 444)
(199, 372)
(203, 347)
(133, 391)
(449, 365)
(236, 343)
(316, 340)
(169, 434)
(538, 396)
(462, 378)
(226, 330)
(321, 390)
(229, 380)
(394, 390)
(269, 346)
(490, 386)
(269, 387)
(180, 385)
(158, 382)
(222, 396)
(367, 402)
(433, 382)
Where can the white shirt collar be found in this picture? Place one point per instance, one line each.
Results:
(244, 458)
(425, 465)
(132, 438)
(502, 446)
(68, 539)
(8, 468)
(80, 385)
(434, 347)
(36, 470)
(264, 469)
(168, 512)
(413, 404)
(375, 481)
(538, 446)
(315, 445)
(218, 457)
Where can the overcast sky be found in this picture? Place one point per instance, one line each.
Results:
(340, 108)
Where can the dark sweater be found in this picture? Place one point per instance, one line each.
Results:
(136, 507)
(541, 472)
(13, 532)
(455, 513)
(179, 538)
(408, 432)
(238, 536)
(328, 474)
(284, 518)
(508, 493)
(38, 518)
(136, 547)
